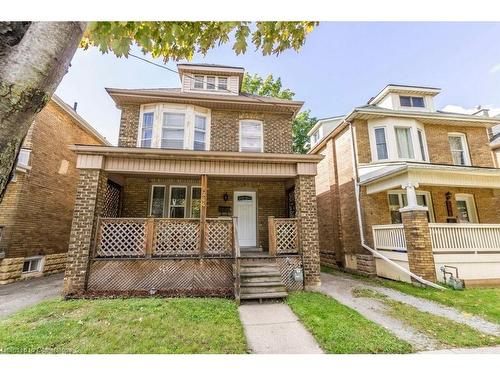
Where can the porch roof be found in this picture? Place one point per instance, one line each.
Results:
(386, 176)
(187, 162)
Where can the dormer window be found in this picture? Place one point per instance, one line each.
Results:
(209, 83)
(222, 83)
(199, 82)
(412, 101)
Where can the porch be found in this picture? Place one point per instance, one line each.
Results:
(233, 231)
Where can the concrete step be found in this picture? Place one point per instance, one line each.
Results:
(270, 281)
(263, 295)
(262, 289)
(259, 263)
(260, 273)
(261, 279)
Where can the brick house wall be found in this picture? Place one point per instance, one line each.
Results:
(38, 206)
(224, 129)
(271, 197)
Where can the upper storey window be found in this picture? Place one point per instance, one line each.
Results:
(251, 139)
(381, 143)
(412, 101)
(147, 129)
(209, 82)
(459, 150)
(173, 130)
(404, 143)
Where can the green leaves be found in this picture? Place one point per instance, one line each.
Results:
(302, 123)
(181, 40)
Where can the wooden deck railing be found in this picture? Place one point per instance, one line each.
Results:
(141, 237)
(283, 236)
(465, 237)
(389, 237)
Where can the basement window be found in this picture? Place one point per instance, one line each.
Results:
(32, 265)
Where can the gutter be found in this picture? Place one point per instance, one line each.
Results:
(360, 222)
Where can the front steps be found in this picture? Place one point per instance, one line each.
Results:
(260, 279)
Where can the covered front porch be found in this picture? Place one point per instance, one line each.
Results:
(426, 217)
(195, 228)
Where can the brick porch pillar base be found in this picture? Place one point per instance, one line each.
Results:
(418, 243)
(90, 193)
(306, 211)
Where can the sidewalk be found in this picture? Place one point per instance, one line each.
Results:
(272, 328)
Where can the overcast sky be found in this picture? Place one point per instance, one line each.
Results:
(341, 66)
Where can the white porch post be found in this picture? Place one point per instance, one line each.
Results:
(411, 197)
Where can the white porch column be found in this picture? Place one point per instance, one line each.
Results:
(411, 198)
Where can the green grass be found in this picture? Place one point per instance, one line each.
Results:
(447, 332)
(484, 302)
(339, 329)
(152, 325)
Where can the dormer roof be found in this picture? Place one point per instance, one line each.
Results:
(403, 89)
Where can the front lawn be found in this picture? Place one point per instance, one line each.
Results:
(339, 329)
(152, 325)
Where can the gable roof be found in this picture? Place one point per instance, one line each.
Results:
(407, 89)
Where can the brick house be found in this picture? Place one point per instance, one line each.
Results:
(37, 209)
(202, 196)
(421, 184)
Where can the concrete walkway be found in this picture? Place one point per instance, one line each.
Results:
(19, 295)
(272, 328)
(485, 350)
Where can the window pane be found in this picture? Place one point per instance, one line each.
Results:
(158, 201)
(393, 199)
(195, 202)
(463, 212)
(198, 82)
(26, 266)
(396, 217)
(199, 146)
(421, 144)
(381, 143)
(173, 120)
(173, 131)
(457, 150)
(147, 120)
(211, 83)
(178, 196)
(146, 143)
(405, 101)
(404, 143)
(177, 212)
(417, 102)
(251, 136)
(222, 83)
(200, 122)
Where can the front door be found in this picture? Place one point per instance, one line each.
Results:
(245, 209)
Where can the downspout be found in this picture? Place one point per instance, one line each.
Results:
(360, 221)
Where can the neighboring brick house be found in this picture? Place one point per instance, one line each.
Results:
(37, 209)
(394, 165)
(202, 193)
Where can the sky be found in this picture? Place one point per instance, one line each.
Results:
(341, 66)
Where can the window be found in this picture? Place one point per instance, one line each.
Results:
(411, 101)
(177, 207)
(195, 201)
(315, 137)
(210, 83)
(23, 159)
(173, 130)
(147, 129)
(397, 200)
(157, 201)
(199, 82)
(200, 130)
(420, 135)
(466, 208)
(250, 136)
(381, 143)
(458, 147)
(32, 265)
(222, 83)
(404, 143)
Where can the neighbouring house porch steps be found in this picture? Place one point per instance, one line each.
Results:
(260, 279)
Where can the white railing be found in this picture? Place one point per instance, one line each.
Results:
(465, 237)
(389, 237)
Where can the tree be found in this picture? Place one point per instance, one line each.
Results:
(34, 56)
(302, 123)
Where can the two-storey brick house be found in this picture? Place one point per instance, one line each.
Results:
(202, 193)
(417, 185)
(37, 209)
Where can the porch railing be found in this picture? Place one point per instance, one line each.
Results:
(465, 237)
(283, 236)
(140, 237)
(389, 237)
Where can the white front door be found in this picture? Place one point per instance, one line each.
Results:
(245, 209)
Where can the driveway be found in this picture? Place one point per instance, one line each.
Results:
(19, 295)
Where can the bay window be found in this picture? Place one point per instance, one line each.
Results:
(420, 135)
(381, 143)
(200, 130)
(251, 136)
(404, 143)
(172, 135)
(147, 129)
(458, 148)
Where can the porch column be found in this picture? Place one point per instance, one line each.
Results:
(203, 211)
(90, 196)
(418, 237)
(306, 212)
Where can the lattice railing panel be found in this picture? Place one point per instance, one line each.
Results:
(176, 237)
(121, 237)
(111, 205)
(287, 236)
(288, 265)
(218, 237)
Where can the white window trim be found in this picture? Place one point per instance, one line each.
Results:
(41, 264)
(189, 112)
(261, 133)
(390, 125)
(411, 101)
(375, 142)
(151, 199)
(465, 146)
(191, 199)
(428, 198)
(170, 200)
(470, 202)
(185, 135)
(205, 83)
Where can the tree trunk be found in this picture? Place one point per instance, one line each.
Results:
(34, 56)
